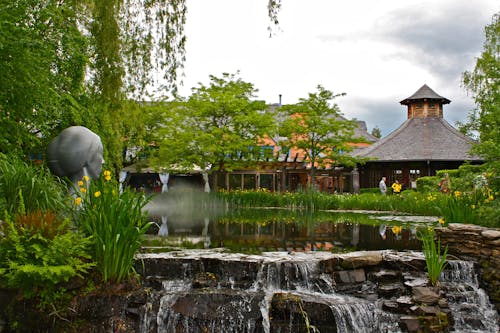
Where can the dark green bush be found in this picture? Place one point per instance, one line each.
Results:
(428, 184)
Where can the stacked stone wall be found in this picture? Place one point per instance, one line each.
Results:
(480, 244)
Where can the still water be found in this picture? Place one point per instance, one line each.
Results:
(180, 225)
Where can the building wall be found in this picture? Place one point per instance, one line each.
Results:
(425, 109)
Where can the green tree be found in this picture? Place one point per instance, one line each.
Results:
(317, 128)
(134, 40)
(131, 42)
(77, 62)
(484, 84)
(42, 61)
(376, 132)
(216, 128)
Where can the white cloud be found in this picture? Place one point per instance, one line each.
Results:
(378, 52)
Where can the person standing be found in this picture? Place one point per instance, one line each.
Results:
(444, 184)
(396, 187)
(382, 186)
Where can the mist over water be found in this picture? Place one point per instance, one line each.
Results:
(184, 207)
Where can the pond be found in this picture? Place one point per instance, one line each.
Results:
(183, 224)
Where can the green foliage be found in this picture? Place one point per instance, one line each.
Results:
(434, 259)
(484, 84)
(373, 190)
(451, 173)
(42, 62)
(39, 253)
(318, 130)
(115, 221)
(428, 184)
(215, 128)
(458, 207)
(28, 188)
(376, 132)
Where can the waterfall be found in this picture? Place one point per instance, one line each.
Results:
(358, 317)
(471, 309)
(209, 291)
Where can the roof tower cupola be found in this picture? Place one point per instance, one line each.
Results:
(425, 103)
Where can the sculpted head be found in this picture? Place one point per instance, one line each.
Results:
(74, 153)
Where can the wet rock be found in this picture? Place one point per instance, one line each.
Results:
(350, 276)
(404, 303)
(391, 306)
(425, 295)
(290, 313)
(209, 310)
(412, 261)
(204, 280)
(410, 324)
(361, 259)
(386, 275)
(443, 303)
(417, 282)
(330, 265)
(390, 289)
(424, 310)
(480, 244)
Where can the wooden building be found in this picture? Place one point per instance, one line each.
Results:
(290, 171)
(423, 144)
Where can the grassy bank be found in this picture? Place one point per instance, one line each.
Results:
(455, 207)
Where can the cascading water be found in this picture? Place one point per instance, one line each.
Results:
(472, 311)
(235, 308)
(217, 292)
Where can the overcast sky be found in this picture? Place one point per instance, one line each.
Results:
(377, 52)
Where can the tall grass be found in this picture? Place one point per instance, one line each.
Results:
(115, 221)
(457, 207)
(434, 259)
(32, 185)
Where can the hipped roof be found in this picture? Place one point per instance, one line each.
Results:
(422, 139)
(425, 93)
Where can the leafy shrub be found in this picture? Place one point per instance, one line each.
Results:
(38, 253)
(115, 221)
(29, 185)
(452, 173)
(428, 184)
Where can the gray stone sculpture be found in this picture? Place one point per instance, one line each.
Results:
(76, 152)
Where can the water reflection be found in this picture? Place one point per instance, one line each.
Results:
(258, 230)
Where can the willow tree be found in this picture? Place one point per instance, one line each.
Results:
(75, 62)
(133, 41)
(42, 65)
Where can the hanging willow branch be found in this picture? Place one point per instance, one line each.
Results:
(150, 41)
(273, 8)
